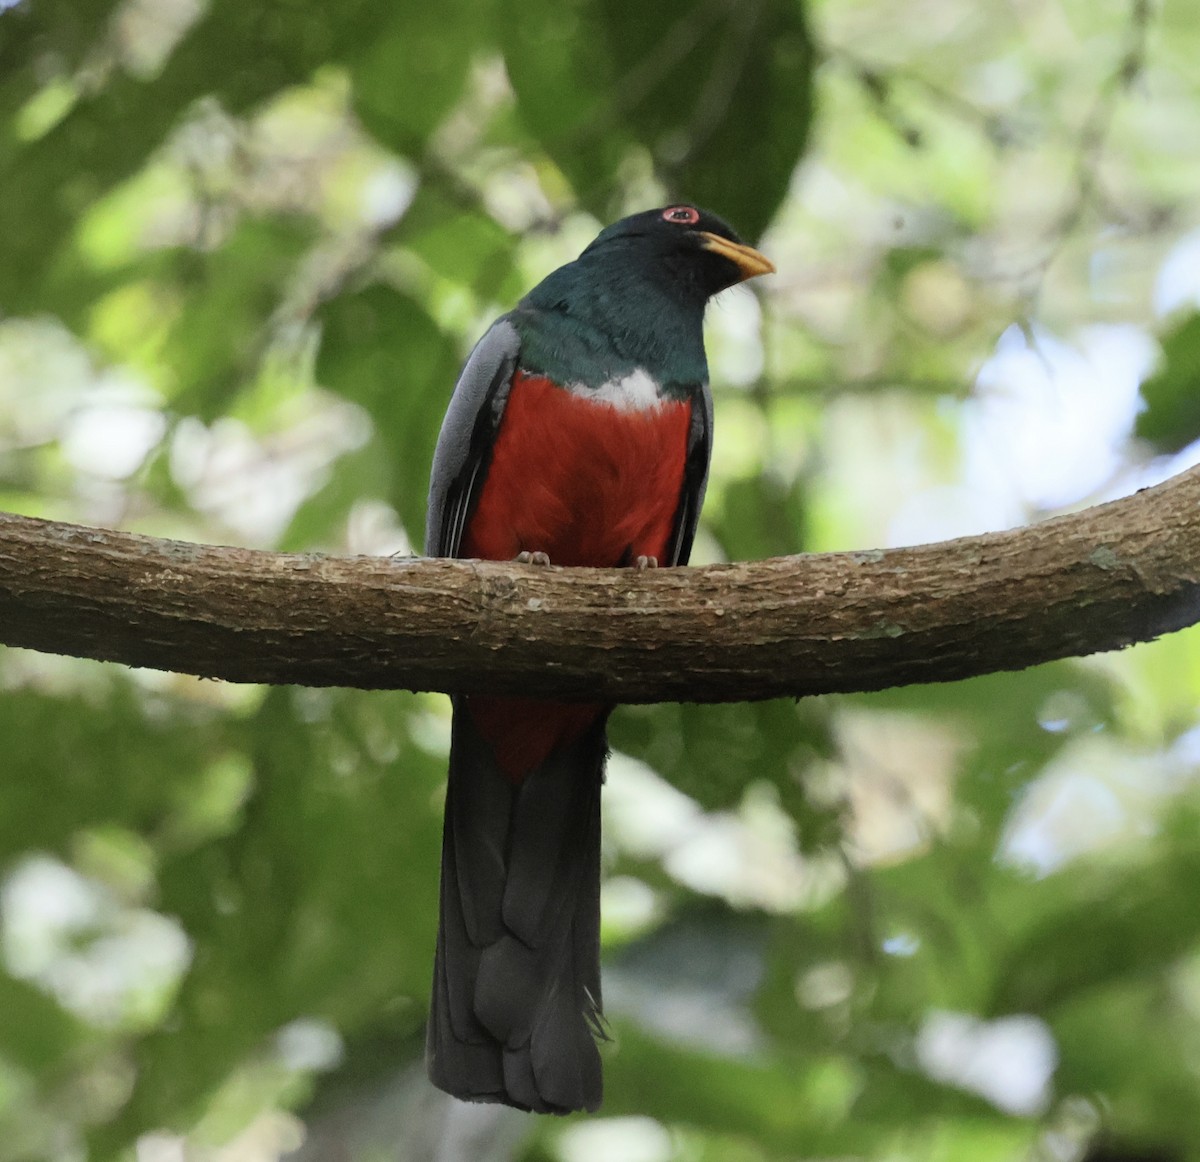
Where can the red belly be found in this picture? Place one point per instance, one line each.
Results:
(587, 484)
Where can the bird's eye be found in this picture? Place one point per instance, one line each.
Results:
(686, 215)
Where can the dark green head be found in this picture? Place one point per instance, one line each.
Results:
(635, 298)
(692, 253)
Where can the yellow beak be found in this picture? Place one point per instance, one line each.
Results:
(748, 260)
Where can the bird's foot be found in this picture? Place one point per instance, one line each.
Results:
(644, 563)
(536, 558)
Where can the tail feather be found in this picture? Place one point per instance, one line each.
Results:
(451, 1049)
(475, 835)
(516, 994)
(553, 821)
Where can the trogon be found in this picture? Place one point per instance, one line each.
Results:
(578, 434)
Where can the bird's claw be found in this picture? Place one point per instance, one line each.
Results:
(644, 563)
(535, 558)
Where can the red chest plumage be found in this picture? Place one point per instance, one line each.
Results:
(587, 483)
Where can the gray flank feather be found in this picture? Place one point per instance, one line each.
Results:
(465, 439)
(695, 477)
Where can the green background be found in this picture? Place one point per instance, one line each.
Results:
(244, 248)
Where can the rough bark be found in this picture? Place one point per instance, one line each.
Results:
(1096, 580)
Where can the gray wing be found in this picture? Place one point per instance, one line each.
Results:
(695, 477)
(468, 431)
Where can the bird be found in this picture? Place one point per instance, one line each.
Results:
(579, 433)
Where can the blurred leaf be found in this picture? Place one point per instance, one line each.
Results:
(216, 342)
(58, 31)
(1109, 1151)
(1135, 1047)
(77, 762)
(35, 1032)
(760, 518)
(320, 520)
(713, 753)
(1008, 720)
(461, 243)
(790, 1100)
(300, 913)
(793, 1103)
(382, 350)
(411, 72)
(108, 136)
(718, 93)
(1171, 419)
(1056, 951)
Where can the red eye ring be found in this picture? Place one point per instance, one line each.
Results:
(684, 215)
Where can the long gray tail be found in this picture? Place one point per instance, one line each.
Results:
(516, 981)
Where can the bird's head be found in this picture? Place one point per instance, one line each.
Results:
(693, 250)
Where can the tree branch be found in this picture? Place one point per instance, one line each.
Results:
(1096, 580)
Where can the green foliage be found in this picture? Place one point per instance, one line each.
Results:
(244, 250)
(720, 95)
(304, 907)
(383, 351)
(1172, 416)
(410, 76)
